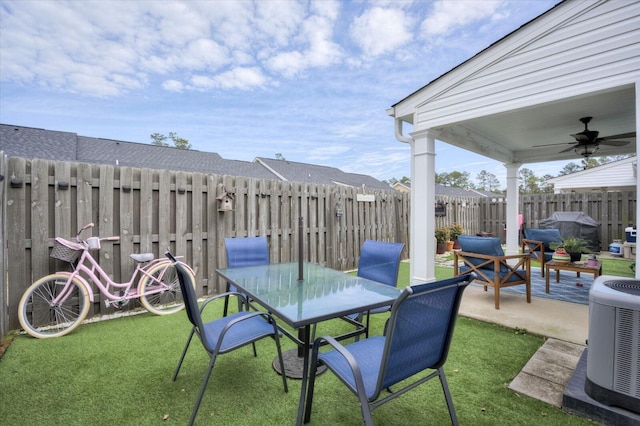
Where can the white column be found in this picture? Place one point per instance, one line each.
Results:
(513, 201)
(422, 227)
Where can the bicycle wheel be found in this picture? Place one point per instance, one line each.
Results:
(41, 318)
(164, 277)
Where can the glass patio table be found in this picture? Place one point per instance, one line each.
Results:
(323, 294)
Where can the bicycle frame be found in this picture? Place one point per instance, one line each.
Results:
(129, 293)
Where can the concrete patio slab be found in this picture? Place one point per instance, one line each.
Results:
(564, 321)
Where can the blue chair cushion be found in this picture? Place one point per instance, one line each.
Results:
(489, 246)
(547, 236)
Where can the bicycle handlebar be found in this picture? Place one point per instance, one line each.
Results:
(84, 228)
(89, 226)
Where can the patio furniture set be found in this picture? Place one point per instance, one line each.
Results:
(274, 299)
(290, 299)
(485, 257)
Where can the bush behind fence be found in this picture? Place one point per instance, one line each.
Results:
(155, 210)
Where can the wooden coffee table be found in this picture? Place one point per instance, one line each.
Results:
(571, 266)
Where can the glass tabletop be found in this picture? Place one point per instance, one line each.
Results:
(324, 293)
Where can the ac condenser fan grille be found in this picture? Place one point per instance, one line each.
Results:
(626, 286)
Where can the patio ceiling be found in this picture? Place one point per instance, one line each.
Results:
(515, 136)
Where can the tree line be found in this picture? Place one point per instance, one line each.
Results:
(529, 182)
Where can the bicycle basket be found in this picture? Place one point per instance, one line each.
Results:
(67, 251)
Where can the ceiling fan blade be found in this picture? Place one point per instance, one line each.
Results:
(621, 136)
(614, 143)
(554, 144)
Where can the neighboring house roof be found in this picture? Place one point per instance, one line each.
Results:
(450, 191)
(303, 172)
(29, 142)
(615, 176)
(453, 191)
(402, 186)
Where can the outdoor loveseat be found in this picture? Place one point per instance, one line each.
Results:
(536, 242)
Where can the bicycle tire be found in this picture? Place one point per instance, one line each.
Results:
(42, 320)
(168, 301)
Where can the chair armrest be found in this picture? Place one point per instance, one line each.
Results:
(248, 315)
(353, 365)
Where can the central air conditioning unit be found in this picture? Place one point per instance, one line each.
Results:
(613, 356)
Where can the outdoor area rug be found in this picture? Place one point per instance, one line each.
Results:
(569, 289)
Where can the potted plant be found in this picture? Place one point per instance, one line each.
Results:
(455, 230)
(442, 236)
(575, 246)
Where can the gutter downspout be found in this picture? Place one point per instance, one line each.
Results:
(398, 132)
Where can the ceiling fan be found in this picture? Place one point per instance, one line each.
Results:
(587, 141)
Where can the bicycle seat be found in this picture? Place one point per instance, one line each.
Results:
(142, 257)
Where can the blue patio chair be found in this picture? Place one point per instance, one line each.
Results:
(417, 338)
(224, 334)
(484, 256)
(380, 262)
(537, 242)
(250, 251)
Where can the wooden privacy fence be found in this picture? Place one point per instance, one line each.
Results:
(613, 210)
(155, 210)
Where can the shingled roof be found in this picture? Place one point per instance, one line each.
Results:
(304, 172)
(29, 142)
(451, 191)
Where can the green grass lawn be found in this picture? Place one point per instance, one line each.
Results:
(119, 372)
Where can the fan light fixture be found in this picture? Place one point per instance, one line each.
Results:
(586, 150)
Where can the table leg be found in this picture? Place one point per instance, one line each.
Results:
(546, 279)
(305, 375)
(557, 275)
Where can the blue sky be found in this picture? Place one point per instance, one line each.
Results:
(310, 80)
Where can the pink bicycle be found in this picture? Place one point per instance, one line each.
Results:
(56, 304)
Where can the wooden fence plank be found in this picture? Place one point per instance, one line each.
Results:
(108, 256)
(197, 245)
(145, 229)
(19, 275)
(63, 187)
(39, 217)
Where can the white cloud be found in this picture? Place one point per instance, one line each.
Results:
(241, 78)
(236, 78)
(315, 47)
(173, 86)
(379, 31)
(450, 15)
